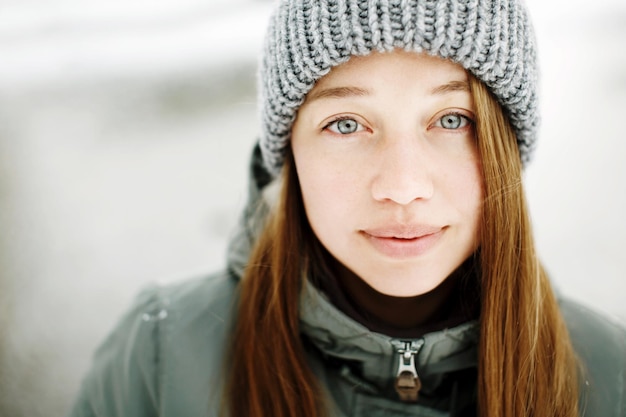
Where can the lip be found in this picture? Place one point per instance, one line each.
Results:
(402, 242)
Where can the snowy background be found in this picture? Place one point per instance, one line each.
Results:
(125, 128)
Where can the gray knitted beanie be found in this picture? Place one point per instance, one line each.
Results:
(492, 39)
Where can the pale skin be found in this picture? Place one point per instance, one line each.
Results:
(386, 155)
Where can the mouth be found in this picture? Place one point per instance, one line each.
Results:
(404, 241)
(410, 232)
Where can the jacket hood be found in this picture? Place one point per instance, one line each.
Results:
(253, 216)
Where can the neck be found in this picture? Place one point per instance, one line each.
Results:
(444, 306)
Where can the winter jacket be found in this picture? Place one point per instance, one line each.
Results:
(166, 356)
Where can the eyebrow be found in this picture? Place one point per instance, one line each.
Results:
(337, 92)
(344, 92)
(450, 87)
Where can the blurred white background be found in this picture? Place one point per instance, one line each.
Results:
(125, 128)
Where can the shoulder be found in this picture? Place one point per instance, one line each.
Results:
(600, 344)
(192, 342)
(208, 299)
(165, 348)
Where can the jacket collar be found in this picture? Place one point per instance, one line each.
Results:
(338, 336)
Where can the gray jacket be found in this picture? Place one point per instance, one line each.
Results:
(166, 356)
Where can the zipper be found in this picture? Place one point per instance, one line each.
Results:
(407, 382)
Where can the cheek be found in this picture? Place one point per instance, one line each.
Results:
(470, 192)
(471, 187)
(330, 193)
(469, 177)
(324, 176)
(464, 191)
(325, 189)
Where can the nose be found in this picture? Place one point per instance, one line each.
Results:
(403, 172)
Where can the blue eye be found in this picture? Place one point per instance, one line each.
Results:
(453, 121)
(344, 126)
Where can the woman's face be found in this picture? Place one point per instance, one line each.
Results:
(386, 156)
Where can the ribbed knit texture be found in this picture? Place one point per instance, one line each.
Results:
(493, 39)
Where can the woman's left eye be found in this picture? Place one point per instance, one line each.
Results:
(453, 121)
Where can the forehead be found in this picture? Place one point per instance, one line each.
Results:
(392, 75)
(386, 67)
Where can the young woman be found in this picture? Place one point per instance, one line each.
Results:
(385, 264)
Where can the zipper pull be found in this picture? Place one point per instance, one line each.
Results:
(408, 383)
